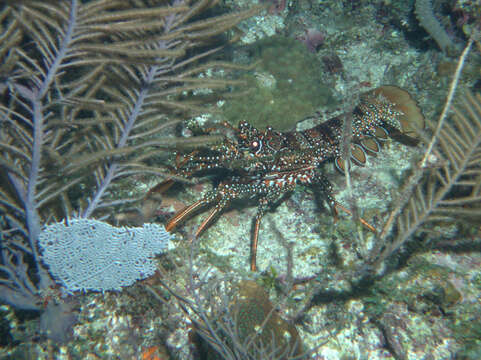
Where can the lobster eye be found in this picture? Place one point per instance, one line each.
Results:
(256, 146)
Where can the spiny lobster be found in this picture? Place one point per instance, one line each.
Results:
(265, 165)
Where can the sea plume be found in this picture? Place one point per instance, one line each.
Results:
(445, 186)
(88, 91)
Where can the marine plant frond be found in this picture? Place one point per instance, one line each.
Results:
(452, 190)
(445, 184)
(460, 143)
(87, 87)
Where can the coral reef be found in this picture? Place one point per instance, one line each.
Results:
(411, 290)
(89, 91)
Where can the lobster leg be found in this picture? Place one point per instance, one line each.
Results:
(334, 205)
(361, 220)
(183, 214)
(264, 204)
(255, 239)
(217, 210)
(212, 196)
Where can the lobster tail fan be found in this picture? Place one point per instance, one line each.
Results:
(358, 157)
(380, 133)
(411, 119)
(370, 145)
(387, 111)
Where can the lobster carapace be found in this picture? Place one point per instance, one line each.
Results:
(264, 165)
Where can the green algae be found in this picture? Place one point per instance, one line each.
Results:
(268, 279)
(284, 88)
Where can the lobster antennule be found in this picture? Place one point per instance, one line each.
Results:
(183, 214)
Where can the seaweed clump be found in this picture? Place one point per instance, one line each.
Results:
(285, 86)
